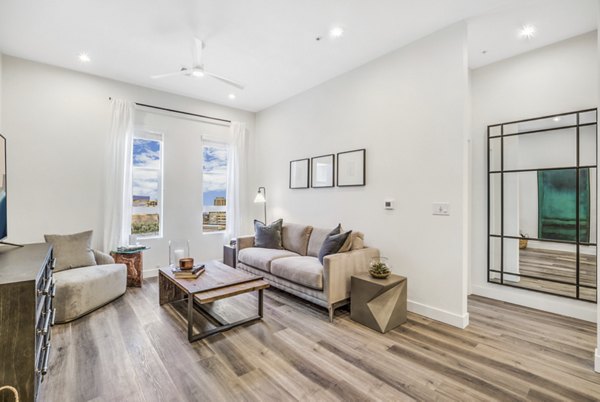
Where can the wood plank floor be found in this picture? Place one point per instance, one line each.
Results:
(556, 265)
(134, 350)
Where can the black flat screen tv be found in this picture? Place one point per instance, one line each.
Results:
(3, 215)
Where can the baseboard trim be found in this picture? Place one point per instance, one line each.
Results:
(150, 273)
(553, 304)
(597, 361)
(456, 320)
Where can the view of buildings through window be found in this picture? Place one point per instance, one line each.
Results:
(147, 185)
(214, 192)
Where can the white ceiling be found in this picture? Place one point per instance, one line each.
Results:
(267, 44)
(554, 20)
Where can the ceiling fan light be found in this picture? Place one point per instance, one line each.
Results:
(197, 73)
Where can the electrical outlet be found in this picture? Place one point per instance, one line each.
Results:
(441, 208)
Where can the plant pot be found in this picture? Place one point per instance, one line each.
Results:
(379, 275)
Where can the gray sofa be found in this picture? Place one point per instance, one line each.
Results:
(80, 291)
(297, 270)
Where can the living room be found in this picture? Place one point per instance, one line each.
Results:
(149, 125)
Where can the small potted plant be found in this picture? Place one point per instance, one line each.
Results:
(523, 241)
(379, 268)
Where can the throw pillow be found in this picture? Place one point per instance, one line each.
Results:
(354, 242)
(268, 236)
(332, 244)
(72, 251)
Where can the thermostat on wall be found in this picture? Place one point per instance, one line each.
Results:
(389, 204)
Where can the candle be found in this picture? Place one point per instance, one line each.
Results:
(178, 254)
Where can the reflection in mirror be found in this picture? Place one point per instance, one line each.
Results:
(541, 150)
(588, 117)
(587, 145)
(541, 124)
(495, 203)
(587, 265)
(495, 154)
(587, 205)
(495, 253)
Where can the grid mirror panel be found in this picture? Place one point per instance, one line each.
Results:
(542, 204)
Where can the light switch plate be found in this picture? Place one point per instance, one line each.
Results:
(441, 208)
(389, 203)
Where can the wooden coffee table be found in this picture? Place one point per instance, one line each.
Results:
(218, 282)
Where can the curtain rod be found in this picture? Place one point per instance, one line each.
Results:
(181, 112)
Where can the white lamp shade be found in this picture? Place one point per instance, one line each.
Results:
(260, 198)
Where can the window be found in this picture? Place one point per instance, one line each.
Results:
(146, 219)
(214, 191)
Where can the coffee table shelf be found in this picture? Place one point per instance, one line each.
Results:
(216, 283)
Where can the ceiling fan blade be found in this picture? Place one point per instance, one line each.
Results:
(225, 80)
(183, 71)
(197, 48)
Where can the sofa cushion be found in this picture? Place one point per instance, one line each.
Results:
(72, 251)
(317, 237)
(295, 237)
(354, 242)
(261, 258)
(81, 290)
(268, 236)
(332, 244)
(303, 270)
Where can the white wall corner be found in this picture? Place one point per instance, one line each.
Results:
(456, 320)
(150, 273)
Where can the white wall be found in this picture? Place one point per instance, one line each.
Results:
(56, 122)
(559, 78)
(597, 354)
(409, 110)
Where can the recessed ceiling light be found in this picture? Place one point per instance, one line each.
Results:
(556, 119)
(336, 32)
(231, 96)
(197, 73)
(84, 58)
(527, 31)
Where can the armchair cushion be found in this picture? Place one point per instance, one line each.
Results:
(72, 251)
(102, 258)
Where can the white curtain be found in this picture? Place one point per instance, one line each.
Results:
(236, 186)
(117, 219)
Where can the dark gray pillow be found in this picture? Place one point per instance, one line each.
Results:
(268, 236)
(332, 244)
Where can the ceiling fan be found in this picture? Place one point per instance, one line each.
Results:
(197, 69)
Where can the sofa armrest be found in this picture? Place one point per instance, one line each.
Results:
(102, 258)
(244, 242)
(338, 268)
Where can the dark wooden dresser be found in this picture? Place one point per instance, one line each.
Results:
(26, 315)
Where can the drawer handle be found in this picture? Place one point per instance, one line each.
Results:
(49, 318)
(46, 361)
(46, 289)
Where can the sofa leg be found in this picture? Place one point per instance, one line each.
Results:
(331, 311)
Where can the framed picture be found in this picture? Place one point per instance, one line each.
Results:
(299, 173)
(322, 168)
(351, 170)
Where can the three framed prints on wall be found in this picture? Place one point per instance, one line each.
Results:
(320, 171)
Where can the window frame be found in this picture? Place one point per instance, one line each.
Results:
(145, 134)
(227, 146)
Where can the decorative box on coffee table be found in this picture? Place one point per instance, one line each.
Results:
(379, 304)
